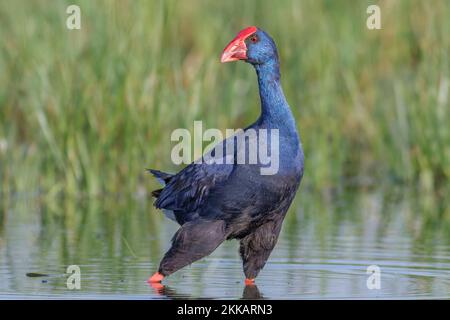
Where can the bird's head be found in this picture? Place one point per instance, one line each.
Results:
(252, 45)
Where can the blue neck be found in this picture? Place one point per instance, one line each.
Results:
(275, 111)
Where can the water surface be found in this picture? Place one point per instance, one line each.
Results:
(326, 246)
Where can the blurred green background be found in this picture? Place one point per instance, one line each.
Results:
(84, 112)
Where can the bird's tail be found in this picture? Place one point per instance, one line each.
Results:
(162, 177)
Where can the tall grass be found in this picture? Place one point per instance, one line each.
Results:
(84, 112)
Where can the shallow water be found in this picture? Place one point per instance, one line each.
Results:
(326, 246)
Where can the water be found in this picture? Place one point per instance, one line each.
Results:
(327, 244)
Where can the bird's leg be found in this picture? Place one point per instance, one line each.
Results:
(193, 241)
(257, 246)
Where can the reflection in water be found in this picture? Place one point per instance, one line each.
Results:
(250, 292)
(326, 245)
(168, 292)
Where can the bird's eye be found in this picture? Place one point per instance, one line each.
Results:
(254, 38)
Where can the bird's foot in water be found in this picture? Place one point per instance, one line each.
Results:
(155, 282)
(249, 282)
(156, 278)
(158, 287)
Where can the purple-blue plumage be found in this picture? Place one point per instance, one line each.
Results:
(215, 202)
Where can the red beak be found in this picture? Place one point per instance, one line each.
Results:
(236, 49)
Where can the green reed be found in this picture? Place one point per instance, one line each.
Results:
(85, 112)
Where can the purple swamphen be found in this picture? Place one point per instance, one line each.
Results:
(214, 202)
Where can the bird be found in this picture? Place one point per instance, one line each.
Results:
(217, 201)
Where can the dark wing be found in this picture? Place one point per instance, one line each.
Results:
(187, 190)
